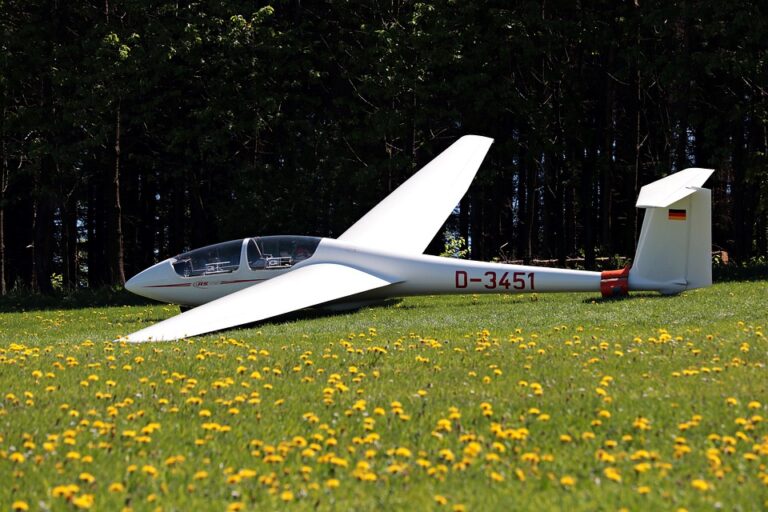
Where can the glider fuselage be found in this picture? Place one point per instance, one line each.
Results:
(410, 274)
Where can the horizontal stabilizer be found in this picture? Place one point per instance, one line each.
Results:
(666, 191)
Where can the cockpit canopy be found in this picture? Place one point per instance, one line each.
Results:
(258, 253)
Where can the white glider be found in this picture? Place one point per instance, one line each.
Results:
(380, 256)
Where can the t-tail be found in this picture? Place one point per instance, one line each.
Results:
(674, 252)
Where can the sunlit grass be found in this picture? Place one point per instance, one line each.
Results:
(524, 402)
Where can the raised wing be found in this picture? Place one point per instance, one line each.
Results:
(408, 219)
(297, 289)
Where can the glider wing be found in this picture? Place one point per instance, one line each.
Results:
(408, 219)
(301, 288)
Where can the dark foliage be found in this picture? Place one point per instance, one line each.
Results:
(134, 130)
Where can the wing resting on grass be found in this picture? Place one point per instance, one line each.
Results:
(408, 218)
(301, 288)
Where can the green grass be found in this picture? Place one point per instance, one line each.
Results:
(505, 402)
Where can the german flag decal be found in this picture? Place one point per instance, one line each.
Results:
(677, 214)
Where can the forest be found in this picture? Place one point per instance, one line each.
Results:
(133, 130)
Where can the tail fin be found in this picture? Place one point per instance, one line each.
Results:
(674, 250)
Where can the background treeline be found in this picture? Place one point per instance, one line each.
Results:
(132, 130)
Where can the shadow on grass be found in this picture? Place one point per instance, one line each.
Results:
(294, 316)
(16, 302)
(630, 297)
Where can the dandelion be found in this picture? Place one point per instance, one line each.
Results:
(701, 485)
(567, 481)
(19, 506)
(84, 501)
(440, 499)
(116, 487)
(149, 470)
(87, 478)
(612, 474)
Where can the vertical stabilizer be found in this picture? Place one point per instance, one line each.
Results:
(674, 252)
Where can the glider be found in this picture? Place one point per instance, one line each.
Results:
(380, 256)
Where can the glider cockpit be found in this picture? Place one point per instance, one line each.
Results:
(258, 253)
(272, 252)
(201, 275)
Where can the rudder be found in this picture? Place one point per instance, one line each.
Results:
(674, 249)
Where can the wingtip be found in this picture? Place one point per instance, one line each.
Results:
(479, 138)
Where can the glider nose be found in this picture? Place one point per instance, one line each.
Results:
(132, 285)
(147, 280)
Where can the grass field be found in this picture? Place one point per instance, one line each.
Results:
(450, 403)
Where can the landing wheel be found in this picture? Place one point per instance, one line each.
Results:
(185, 308)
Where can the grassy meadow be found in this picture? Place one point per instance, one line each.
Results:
(560, 401)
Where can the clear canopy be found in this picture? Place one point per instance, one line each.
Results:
(262, 253)
(214, 259)
(270, 252)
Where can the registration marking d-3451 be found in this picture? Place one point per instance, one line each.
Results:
(492, 280)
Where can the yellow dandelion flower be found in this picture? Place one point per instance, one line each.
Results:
(332, 483)
(87, 478)
(149, 470)
(403, 452)
(286, 496)
(19, 506)
(116, 487)
(236, 506)
(701, 485)
(567, 481)
(612, 474)
(642, 467)
(83, 501)
(440, 499)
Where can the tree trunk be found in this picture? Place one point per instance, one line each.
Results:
(42, 229)
(117, 262)
(3, 190)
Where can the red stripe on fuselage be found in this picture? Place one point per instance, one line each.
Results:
(182, 285)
